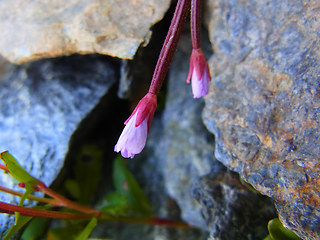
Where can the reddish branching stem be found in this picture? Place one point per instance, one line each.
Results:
(3, 167)
(32, 212)
(195, 23)
(170, 45)
(62, 201)
(30, 197)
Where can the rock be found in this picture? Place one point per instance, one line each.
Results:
(229, 209)
(264, 102)
(147, 168)
(182, 158)
(42, 104)
(42, 29)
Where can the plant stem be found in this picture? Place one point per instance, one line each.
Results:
(62, 201)
(195, 22)
(30, 197)
(170, 45)
(31, 212)
(3, 167)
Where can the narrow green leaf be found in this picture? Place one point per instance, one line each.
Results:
(29, 190)
(268, 238)
(19, 173)
(115, 204)
(279, 232)
(35, 229)
(87, 171)
(16, 170)
(126, 184)
(88, 229)
(70, 232)
(20, 222)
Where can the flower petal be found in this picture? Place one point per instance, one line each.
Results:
(132, 139)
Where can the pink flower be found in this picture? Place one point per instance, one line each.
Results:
(199, 74)
(134, 135)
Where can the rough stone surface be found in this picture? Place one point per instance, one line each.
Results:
(44, 28)
(264, 101)
(42, 104)
(229, 209)
(181, 157)
(147, 168)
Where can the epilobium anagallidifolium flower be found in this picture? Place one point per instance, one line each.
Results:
(199, 74)
(134, 135)
(198, 70)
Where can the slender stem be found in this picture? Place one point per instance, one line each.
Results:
(195, 22)
(32, 212)
(170, 45)
(30, 197)
(62, 201)
(151, 221)
(3, 167)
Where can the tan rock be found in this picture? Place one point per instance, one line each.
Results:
(48, 28)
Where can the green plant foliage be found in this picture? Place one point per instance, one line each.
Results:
(116, 204)
(87, 172)
(125, 184)
(20, 222)
(32, 230)
(87, 230)
(35, 229)
(19, 173)
(69, 231)
(278, 232)
(249, 186)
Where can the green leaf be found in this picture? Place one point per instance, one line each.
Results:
(19, 173)
(88, 229)
(87, 171)
(16, 170)
(20, 222)
(268, 238)
(73, 188)
(279, 232)
(249, 186)
(126, 184)
(70, 232)
(115, 204)
(35, 229)
(29, 190)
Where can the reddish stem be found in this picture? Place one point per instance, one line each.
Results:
(195, 22)
(30, 197)
(32, 212)
(170, 45)
(3, 167)
(62, 201)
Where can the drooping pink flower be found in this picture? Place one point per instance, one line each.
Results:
(199, 74)
(134, 135)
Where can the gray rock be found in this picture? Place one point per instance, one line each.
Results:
(230, 210)
(42, 104)
(41, 29)
(264, 102)
(208, 195)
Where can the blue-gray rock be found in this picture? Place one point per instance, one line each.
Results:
(264, 101)
(42, 104)
(184, 156)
